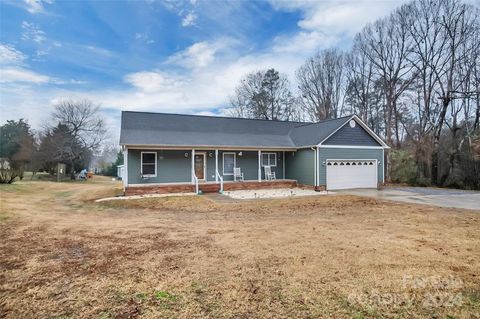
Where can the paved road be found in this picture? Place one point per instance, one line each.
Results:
(424, 195)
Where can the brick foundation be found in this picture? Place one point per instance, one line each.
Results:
(208, 188)
(159, 189)
(257, 185)
(315, 188)
(305, 186)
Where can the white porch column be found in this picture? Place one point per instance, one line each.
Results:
(216, 166)
(283, 164)
(314, 167)
(259, 165)
(125, 168)
(193, 165)
(318, 166)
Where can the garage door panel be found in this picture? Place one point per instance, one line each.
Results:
(351, 174)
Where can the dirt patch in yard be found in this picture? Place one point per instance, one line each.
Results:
(63, 256)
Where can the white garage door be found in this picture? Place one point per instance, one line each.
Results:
(345, 174)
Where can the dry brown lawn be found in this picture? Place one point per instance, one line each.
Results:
(64, 256)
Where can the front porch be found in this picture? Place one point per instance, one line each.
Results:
(157, 171)
(207, 187)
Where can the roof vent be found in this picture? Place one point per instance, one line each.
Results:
(352, 123)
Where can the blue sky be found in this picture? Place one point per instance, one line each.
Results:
(165, 56)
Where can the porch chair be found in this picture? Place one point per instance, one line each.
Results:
(269, 175)
(238, 174)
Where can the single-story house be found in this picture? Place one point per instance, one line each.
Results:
(175, 152)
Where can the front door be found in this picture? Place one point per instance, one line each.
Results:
(200, 166)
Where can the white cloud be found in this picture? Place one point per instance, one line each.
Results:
(346, 17)
(36, 6)
(18, 74)
(32, 32)
(13, 70)
(189, 19)
(196, 56)
(330, 21)
(9, 55)
(150, 81)
(303, 42)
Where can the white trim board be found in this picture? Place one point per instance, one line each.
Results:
(352, 147)
(209, 147)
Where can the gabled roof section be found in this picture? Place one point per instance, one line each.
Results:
(170, 130)
(363, 125)
(313, 133)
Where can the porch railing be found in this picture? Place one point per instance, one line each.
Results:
(221, 180)
(195, 179)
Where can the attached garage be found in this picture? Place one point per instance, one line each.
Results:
(345, 174)
(351, 157)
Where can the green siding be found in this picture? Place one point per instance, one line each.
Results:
(172, 167)
(351, 136)
(342, 153)
(248, 163)
(299, 166)
(210, 165)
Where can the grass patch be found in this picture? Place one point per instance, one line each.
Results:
(64, 194)
(175, 203)
(13, 188)
(164, 295)
(4, 216)
(141, 296)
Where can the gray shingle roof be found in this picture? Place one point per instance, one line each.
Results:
(163, 129)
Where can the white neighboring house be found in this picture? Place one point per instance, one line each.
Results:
(120, 171)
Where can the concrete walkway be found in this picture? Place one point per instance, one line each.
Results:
(452, 198)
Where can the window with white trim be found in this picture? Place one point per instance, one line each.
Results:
(149, 164)
(269, 159)
(228, 163)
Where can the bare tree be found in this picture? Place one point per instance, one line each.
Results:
(263, 95)
(386, 44)
(443, 55)
(85, 125)
(84, 121)
(321, 84)
(364, 94)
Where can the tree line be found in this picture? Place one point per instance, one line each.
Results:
(72, 136)
(412, 76)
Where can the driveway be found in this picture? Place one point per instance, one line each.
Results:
(423, 195)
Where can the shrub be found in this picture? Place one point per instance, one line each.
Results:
(403, 167)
